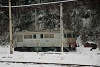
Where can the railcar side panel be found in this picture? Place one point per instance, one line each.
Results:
(41, 39)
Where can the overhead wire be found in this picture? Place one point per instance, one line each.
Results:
(39, 4)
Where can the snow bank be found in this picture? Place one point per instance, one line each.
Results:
(83, 56)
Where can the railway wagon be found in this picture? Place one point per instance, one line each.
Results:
(43, 41)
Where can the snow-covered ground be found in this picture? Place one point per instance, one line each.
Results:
(83, 56)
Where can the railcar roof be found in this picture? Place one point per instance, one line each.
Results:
(42, 32)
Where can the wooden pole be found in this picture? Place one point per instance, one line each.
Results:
(10, 27)
(61, 26)
(36, 26)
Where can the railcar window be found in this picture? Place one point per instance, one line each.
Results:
(46, 36)
(69, 35)
(41, 35)
(65, 36)
(74, 35)
(34, 36)
(49, 35)
(20, 38)
(27, 36)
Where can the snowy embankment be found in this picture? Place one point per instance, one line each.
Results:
(83, 56)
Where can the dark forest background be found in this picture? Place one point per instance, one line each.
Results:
(81, 16)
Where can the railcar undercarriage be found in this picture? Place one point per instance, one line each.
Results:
(44, 49)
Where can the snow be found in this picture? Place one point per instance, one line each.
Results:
(90, 42)
(79, 41)
(83, 56)
(27, 65)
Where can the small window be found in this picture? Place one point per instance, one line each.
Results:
(27, 36)
(41, 35)
(65, 36)
(34, 36)
(68, 35)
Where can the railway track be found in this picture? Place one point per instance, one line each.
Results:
(40, 63)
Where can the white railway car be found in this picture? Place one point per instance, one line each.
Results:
(43, 41)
